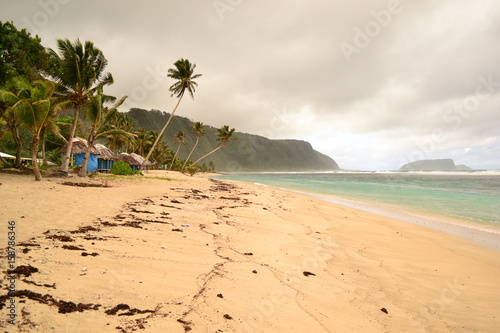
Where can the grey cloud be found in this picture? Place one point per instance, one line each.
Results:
(264, 59)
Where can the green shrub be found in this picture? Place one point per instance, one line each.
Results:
(121, 168)
(192, 168)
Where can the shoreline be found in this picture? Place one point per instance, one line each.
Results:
(191, 253)
(487, 235)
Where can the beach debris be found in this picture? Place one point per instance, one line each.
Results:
(178, 230)
(72, 247)
(93, 254)
(185, 225)
(384, 310)
(27, 244)
(220, 296)
(82, 230)
(85, 184)
(53, 286)
(64, 307)
(123, 307)
(227, 316)
(23, 270)
(61, 238)
(248, 253)
(84, 268)
(306, 273)
(254, 271)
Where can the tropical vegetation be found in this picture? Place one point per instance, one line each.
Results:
(50, 97)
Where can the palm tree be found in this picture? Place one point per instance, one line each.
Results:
(179, 138)
(11, 118)
(120, 142)
(36, 106)
(224, 135)
(197, 129)
(183, 73)
(98, 115)
(143, 140)
(80, 71)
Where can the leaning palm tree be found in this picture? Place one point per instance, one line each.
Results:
(183, 73)
(179, 138)
(37, 105)
(224, 135)
(80, 71)
(197, 129)
(98, 115)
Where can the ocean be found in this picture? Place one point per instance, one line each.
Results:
(472, 198)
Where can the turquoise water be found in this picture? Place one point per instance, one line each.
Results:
(473, 197)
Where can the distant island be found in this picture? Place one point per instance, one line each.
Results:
(446, 164)
(249, 153)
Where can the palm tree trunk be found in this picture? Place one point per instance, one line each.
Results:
(44, 156)
(210, 153)
(161, 133)
(85, 163)
(191, 152)
(34, 162)
(67, 154)
(173, 161)
(19, 146)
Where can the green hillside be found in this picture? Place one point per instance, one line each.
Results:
(249, 153)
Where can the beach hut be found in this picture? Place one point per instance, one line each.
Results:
(105, 158)
(7, 156)
(134, 160)
(78, 151)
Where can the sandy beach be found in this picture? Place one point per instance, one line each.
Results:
(191, 254)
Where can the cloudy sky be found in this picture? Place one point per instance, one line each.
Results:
(373, 84)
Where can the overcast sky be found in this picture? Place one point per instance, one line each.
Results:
(373, 84)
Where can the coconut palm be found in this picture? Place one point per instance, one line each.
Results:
(98, 115)
(11, 117)
(179, 138)
(35, 104)
(144, 139)
(120, 142)
(198, 129)
(80, 71)
(183, 73)
(224, 135)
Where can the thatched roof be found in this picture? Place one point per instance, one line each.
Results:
(132, 159)
(104, 152)
(80, 147)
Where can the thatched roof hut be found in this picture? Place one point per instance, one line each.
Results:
(104, 152)
(127, 158)
(134, 160)
(79, 147)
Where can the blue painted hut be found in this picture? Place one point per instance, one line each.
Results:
(101, 157)
(105, 158)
